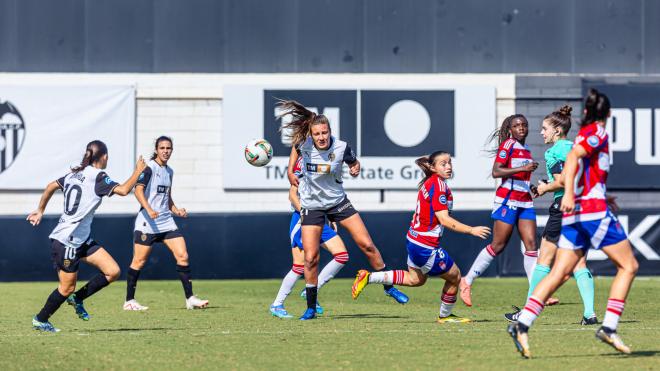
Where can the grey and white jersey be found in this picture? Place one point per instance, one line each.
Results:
(321, 186)
(157, 182)
(83, 192)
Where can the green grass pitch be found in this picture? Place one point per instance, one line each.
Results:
(237, 331)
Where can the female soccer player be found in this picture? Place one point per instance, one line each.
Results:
(587, 222)
(554, 129)
(154, 223)
(322, 194)
(513, 201)
(330, 240)
(71, 241)
(425, 256)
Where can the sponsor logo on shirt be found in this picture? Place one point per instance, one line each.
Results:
(593, 141)
(163, 189)
(318, 168)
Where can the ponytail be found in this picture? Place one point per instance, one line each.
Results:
(93, 153)
(302, 120)
(561, 118)
(596, 107)
(425, 162)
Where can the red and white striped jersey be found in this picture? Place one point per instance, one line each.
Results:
(297, 171)
(514, 190)
(425, 229)
(591, 175)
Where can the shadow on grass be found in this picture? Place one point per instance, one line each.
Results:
(635, 353)
(639, 353)
(210, 307)
(132, 329)
(363, 315)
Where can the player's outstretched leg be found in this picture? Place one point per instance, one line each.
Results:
(297, 270)
(363, 278)
(109, 268)
(177, 246)
(360, 234)
(55, 300)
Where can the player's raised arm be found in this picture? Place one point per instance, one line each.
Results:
(125, 188)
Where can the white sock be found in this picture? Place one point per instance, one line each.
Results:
(529, 262)
(381, 277)
(332, 268)
(447, 303)
(395, 277)
(613, 313)
(481, 263)
(531, 311)
(287, 284)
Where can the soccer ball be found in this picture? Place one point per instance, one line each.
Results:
(258, 152)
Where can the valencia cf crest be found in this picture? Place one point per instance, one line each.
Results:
(332, 156)
(12, 134)
(143, 237)
(67, 263)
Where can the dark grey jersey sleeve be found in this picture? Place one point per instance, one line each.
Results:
(349, 155)
(104, 185)
(60, 182)
(557, 168)
(145, 177)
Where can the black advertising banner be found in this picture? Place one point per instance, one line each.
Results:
(634, 132)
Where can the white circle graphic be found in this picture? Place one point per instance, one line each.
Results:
(407, 123)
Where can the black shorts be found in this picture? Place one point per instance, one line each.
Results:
(337, 213)
(148, 239)
(67, 258)
(552, 229)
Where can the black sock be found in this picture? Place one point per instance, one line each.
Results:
(55, 299)
(184, 276)
(131, 283)
(385, 287)
(312, 293)
(95, 284)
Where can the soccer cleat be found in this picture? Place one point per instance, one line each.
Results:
(551, 301)
(519, 335)
(593, 320)
(279, 311)
(513, 316)
(194, 302)
(319, 309)
(361, 280)
(310, 313)
(78, 306)
(134, 305)
(453, 319)
(465, 292)
(400, 297)
(610, 337)
(43, 326)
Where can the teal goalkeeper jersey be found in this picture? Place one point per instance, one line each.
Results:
(555, 157)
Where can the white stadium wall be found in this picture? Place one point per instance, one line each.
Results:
(189, 108)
